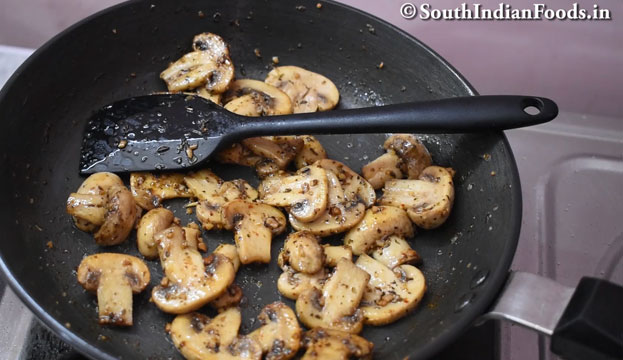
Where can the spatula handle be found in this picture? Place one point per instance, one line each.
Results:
(454, 115)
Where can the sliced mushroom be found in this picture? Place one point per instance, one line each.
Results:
(335, 307)
(292, 284)
(280, 333)
(341, 214)
(231, 297)
(209, 65)
(302, 252)
(208, 95)
(96, 185)
(115, 277)
(414, 155)
(355, 187)
(311, 152)
(395, 251)
(428, 200)
(150, 189)
(334, 253)
(305, 193)
(309, 91)
(279, 149)
(191, 281)
(335, 345)
(153, 222)
(238, 154)
(390, 294)
(230, 252)
(213, 193)
(119, 213)
(197, 337)
(382, 169)
(255, 98)
(378, 223)
(254, 226)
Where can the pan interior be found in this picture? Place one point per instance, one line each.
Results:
(120, 52)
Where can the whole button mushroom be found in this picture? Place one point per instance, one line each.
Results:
(92, 193)
(115, 277)
(111, 213)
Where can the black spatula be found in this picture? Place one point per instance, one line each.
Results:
(154, 132)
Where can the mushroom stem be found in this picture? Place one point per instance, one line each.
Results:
(114, 299)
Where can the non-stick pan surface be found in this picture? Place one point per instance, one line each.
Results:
(120, 52)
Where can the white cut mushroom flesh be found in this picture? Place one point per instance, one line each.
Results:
(114, 277)
(308, 90)
(413, 154)
(427, 200)
(302, 252)
(391, 293)
(209, 65)
(95, 187)
(311, 152)
(355, 187)
(382, 169)
(280, 333)
(150, 189)
(153, 222)
(378, 223)
(336, 305)
(254, 226)
(395, 251)
(191, 281)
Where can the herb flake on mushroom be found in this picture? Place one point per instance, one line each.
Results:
(114, 277)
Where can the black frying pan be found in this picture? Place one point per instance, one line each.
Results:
(119, 53)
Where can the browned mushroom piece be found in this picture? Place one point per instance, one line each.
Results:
(305, 193)
(309, 91)
(414, 155)
(334, 253)
(336, 305)
(209, 65)
(213, 192)
(150, 189)
(153, 222)
(255, 98)
(111, 215)
(254, 226)
(197, 337)
(324, 344)
(237, 154)
(341, 213)
(396, 251)
(355, 187)
(311, 152)
(190, 280)
(382, 169)
(231, 297)
(280, 333)
(208, 95)
(428, 200)
(302, 252)
(281, 150)
(114, 277)
(94, 188)
(292, 284)
(390, 293)
(378, 223)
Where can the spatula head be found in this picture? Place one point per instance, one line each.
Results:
(153, 132)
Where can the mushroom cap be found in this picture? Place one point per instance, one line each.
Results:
(192, 280)
(308, 90)
(198, 337)
(333, 344)
(414, 155)
(390, 294)
(121, 216)
(428, 200)
(341, 213)
(96, 184)
(302, 252)
(126, 267)
(336, 306)
(255, 98)
(280, 333)
(231, 297)
(311, 152)
(292, 284)
(378, 223)
(209, 65)
(305, 193)
(153, 222)
(254, 225)
(230, 252)
(382, 169)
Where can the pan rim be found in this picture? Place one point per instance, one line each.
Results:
(479, 306)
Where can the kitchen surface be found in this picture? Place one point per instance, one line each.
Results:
(571, 169)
